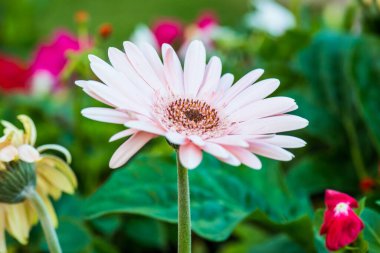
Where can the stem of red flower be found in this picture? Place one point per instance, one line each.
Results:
(184, 217)
(356, 154)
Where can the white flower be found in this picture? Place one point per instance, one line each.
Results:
(271, 17)
(195, 107)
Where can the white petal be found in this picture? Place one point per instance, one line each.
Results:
(28, 153)
(8, 153)
(285, 141)
(255, 92)
(276, 124)
(212, 76)
(121, 63)
(231, 160)
(216, 150)
(122, 134)
(142, 66)
(145, 126)
(129, 148)
(84, 84)
(225, 82)
(231, 140)
(246, 157)
(172, 69)
(175, 138)
(190, 155)
(194, 69)
(271, 151)
(196, 140)
(154, 60)
(241, 85)
(105, 115)
(263, 108)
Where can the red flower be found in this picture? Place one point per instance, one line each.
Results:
(51, 58)
(207, 20)
(341, 224)
(168, 31)
(14, 74)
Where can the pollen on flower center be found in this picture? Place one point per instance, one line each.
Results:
(341, 208)
(191, 117)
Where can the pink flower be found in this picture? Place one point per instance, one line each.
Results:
(207, 20)
(14, 74)
(195, 108)
(51, 58)
(341, 224)
(168, 31)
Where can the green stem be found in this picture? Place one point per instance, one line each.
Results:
(47, 224)
(356, 154)
(184, 218)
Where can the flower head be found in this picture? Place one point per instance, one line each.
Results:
(53, 176)
(50, 60)
(168, 31)
(195, 108)
(14, 74)
(341, 224)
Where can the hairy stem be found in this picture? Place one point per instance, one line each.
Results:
(46, 223)
(184, 218)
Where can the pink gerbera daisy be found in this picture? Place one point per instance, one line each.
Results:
(195, 107)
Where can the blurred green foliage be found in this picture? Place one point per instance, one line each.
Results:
(333, 73)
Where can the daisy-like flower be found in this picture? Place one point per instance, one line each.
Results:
(53, 176)
(195, 107)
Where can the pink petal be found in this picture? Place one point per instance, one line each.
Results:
(145, 126)
(105, 115)
(172, 69)
(129, 148)
(190, 155)
(216, 150)
(276, 124)
(225, 82)
(175, 138)
(122, 134)
(230, 140)
(285, 141)
(263, 108)
(241, 85)
(142, 66)
(231, 160)
(28, 153)
(194, 69)
(121, 63)
(84, 84)
(154, 60)
(245, 157)
(212, 76)
(196, 140)
(255, 92)
(271, 151)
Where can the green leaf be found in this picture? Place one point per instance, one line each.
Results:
(371, 232)
(221, 196)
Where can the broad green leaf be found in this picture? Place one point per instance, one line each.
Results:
(371, 232)
(221, 196)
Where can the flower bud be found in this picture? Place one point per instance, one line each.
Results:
(17, 180)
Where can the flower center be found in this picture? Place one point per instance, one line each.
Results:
(191, 117)
(341, 208)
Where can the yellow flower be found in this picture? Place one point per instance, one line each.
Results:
(53, 174)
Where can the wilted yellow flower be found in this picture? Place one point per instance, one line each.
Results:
(53, 176)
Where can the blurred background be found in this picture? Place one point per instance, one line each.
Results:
(327, 56)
